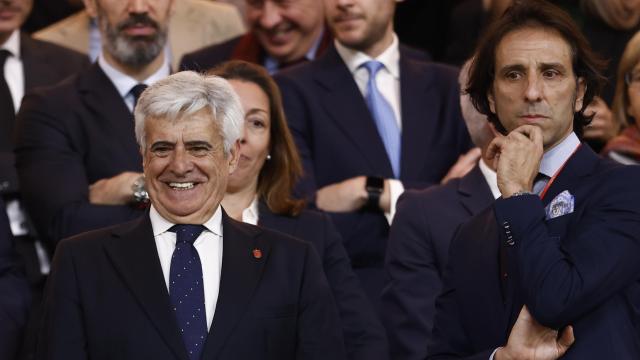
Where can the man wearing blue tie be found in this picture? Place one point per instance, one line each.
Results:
(185, 281)
(370, 120)
(551, 269)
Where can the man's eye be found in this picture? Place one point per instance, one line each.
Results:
(161, 151)
(550, 74)
(513, 75)
(199, 150)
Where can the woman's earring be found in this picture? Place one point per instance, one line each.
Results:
(268, 156)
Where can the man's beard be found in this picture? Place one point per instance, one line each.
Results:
(133, 51)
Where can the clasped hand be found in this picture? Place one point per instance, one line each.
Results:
(529, 340)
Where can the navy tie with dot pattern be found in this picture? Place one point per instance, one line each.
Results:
(186, 290)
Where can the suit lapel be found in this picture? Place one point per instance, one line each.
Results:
(346, 106)
(416, 105)
(38, 70)
(135, 257)
(241, 273)
(580, 164)
(475, 192)
(109, 110)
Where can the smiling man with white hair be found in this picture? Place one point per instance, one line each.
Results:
(185, 280)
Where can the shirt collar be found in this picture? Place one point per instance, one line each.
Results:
(250, 215)
(272, 65)
(13, 44)
(161, 225)
(390, 58)
(123, 82)
(491, 177)
(554, 158)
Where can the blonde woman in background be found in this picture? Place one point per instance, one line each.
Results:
(625, 147)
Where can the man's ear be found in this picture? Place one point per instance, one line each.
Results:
(234, 155)
(91, 8)
(581, 89)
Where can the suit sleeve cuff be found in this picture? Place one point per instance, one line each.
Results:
(519, 212)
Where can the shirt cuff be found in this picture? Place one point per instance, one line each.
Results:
(395, 190)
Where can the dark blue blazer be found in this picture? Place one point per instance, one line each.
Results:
(578, 269)
(68, 137)
(15, 296)
(43, 64)
(106, 298)
(364, 336)
(417, 254)
(337, 139)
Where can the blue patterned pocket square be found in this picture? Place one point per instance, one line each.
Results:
(560, 205)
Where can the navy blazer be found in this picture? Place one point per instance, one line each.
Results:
(15, 296)
(364, 336)
(43, 64)
(338, 139)
(106, 298)
(68, 137)
(578, 269)
(417, 254)
(210, 56)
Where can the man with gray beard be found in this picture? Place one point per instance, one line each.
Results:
(77, 156)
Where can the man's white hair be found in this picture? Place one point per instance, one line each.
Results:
(185, 93)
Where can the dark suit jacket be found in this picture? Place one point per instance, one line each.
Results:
(422, 230)
(578, 269)
(338, 139)
(43, 64)
(247, 48)
(68, 137)
(364, 336)
(107, 299)
(14, 293)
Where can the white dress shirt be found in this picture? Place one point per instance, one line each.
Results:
(13, 69)
(124, 82)
(14, 76)
(491, 177)
(388, 83)
(250, 215)
(209, 247)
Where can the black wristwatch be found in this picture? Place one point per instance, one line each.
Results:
(374, 187)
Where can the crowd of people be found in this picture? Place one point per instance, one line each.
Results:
(287, 179)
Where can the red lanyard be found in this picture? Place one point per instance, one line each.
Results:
(553, 178)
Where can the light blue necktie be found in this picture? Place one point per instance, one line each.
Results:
(383, 116)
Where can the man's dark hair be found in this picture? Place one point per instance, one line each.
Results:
(535, 14)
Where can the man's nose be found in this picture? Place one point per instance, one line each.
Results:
(180, 163)
(270, 16)
(138, 6)
(533, 91)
